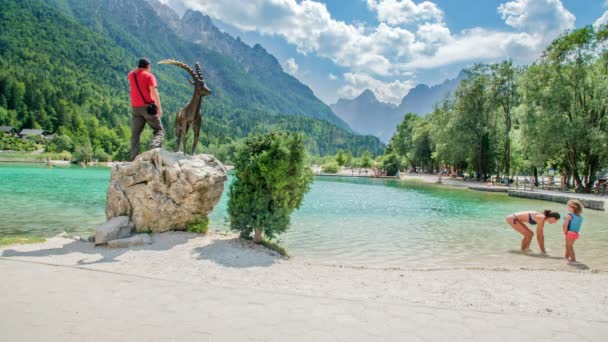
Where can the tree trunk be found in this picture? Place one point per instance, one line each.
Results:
(507, 156)
(535, 171)
(257, 238)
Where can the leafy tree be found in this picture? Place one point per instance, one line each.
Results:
(402, 142)
(565, 107)
(83, 152)
(423, 146)
(505, 97)
(465, 127)
(270, 180)
(349, 159)
(101, 155)
(60, 143)
(366, 160)
(340, 158)
(391, 164)
(331, 167)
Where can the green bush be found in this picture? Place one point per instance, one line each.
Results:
(101, 155)
(330, 167)
(60, 143)
(391, 164)
(200, 226)
(341, 157)
(83, 152)
(270, 180)
(64, 155)
(11, 143)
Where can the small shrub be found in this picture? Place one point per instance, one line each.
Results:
(64, 155)
(330, 168)
(101, 155)
(8, 142)
(391, 164)
(270, 179)
(200, 226)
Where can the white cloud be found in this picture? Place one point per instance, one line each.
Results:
(601, 20)
(332, 77)
(392, 92)
(291, 66)
(396, 12)
(389, 51)
(548, 16)
(482, 45)
(538, 22)
(308, 26)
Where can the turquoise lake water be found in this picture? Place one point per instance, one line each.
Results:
(347, 221)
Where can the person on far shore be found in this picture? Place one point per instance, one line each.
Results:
(518, 222)
(143, 89)
(572, 227)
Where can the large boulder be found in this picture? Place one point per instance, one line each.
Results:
(162, 191)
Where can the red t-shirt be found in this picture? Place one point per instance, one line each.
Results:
(145, 80)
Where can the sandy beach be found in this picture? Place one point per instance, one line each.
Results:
(236, 268)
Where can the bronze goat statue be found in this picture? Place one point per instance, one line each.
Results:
(190, 115)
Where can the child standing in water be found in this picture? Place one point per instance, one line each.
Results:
(572, 227)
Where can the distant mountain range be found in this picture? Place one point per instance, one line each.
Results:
(366, 115)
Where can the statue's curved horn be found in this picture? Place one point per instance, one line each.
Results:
(199, 72)
(181, 65)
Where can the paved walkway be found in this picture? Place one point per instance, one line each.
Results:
(42, 302)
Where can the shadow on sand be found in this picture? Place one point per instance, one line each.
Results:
(576, 265)
(238, 253)
(102, 254)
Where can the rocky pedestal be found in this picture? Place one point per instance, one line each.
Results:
(161, 191)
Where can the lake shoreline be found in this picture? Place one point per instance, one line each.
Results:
(590, 201)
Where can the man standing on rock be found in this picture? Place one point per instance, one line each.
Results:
(144, 91)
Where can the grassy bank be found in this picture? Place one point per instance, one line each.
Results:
(20, 240)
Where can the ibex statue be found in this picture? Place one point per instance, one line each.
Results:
(190, 115)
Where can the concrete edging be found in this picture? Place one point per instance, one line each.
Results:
(560, 198)
(489, 189)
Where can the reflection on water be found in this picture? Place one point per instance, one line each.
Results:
(349, 221)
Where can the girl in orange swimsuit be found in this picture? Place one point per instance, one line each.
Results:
(518, 222)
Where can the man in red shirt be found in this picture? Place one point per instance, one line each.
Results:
(143, 91)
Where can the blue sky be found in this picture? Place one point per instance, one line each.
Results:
(341, 47)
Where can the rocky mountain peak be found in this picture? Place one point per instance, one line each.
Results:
(367, 95)
(166, 13)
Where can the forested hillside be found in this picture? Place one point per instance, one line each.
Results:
(63, 67)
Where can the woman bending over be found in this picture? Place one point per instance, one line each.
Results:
(518, 222)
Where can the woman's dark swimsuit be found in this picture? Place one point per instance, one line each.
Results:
(530, 219)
